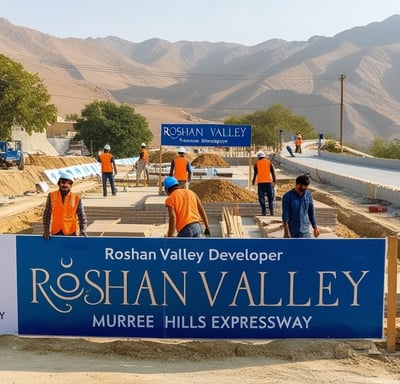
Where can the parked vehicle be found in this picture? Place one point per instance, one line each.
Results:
(11, 154)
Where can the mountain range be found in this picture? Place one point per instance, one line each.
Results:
(204, 81)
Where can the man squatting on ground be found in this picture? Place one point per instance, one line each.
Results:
(298, 210)
(185, 211)
(62, 210)
(264, 173)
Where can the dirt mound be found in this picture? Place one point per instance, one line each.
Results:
(167, 157)
(222, 191)
(204, 160)
(291, 350)
(209, 160)
(15, 182)
(51, 162)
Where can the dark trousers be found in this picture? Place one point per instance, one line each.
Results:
(266, 189)
(110, 177)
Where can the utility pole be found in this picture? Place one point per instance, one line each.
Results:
(341, 78)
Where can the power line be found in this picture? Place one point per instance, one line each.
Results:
(227, 108)
(175, 75)
(162, 74)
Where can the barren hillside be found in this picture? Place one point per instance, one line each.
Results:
(216, 80)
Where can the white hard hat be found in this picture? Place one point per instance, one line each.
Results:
(181, 150)
(66, 175)
(260, 154)
(143, 145)
(107, 147)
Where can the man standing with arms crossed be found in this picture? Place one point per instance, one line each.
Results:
(264, 173)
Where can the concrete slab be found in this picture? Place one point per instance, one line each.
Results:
(98, 227)
(124, 198)
(154, 203)
(102, 228)
(130, 230)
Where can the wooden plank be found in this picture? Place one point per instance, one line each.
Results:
(392, 294)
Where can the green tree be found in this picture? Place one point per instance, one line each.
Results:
(24, 100)
(72, 117)
(385, 149)
(266, 125)
(105, 122)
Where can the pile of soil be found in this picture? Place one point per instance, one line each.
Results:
(51, 162)
(17, 183)
(166, 157)
(222, 191)
(186, 350)
(209, 160)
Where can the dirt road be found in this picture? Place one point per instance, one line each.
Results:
(76, 361)
(92, 361)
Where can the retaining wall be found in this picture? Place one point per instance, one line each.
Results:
(375, 192)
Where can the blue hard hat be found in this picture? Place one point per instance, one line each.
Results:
(66, 175)
(170, 182)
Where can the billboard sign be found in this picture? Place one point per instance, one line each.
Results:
(198, 288)
(206, 135)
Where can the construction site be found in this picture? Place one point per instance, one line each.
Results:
(233, 210)
(139, 209)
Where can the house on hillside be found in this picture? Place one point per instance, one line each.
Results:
(63, 133)
(57, 140)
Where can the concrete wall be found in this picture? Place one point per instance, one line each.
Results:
(35, 143)
(363, 161)
(373, 191)
(64, 129)
(60, 144)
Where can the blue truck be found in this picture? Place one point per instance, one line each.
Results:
(11, 154)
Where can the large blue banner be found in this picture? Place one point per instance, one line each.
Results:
(200, 288)
(206, 135)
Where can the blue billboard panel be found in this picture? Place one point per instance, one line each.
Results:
(201, 288)
(206, 135)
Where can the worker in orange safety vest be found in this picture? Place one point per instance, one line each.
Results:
(108, 169)
(63, 209)
(181, 169)
(142, 165)
(264, 173)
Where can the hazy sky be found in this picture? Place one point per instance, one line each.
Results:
(248, 22)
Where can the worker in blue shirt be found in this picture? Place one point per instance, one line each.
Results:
(298, 210)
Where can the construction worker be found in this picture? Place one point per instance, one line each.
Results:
(298, 210)
(142, 165)
(298, 142)
(62, 210)
(185, 211)
(181, 169)
(264, 173)
(108, 170)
